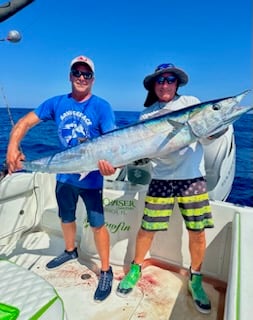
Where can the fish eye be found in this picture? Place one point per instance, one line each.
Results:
(216, 106)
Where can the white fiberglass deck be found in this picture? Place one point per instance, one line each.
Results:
(160, 294)
(30, 235)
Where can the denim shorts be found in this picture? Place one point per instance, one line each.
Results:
(67, 198)
(191, 196)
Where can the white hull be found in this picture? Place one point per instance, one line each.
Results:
(220, 156)
(30, 235)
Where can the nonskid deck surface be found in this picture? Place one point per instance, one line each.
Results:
(159, 295)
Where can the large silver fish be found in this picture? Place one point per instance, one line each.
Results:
(163, 133)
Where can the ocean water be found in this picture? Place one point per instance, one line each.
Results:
(42, 139)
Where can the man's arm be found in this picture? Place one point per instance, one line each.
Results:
(14, 156)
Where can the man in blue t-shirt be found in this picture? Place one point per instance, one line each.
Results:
(79, 116)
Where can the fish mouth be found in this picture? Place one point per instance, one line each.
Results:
(235, 113)
(232, 115)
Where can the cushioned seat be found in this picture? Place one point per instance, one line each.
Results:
(24, 295)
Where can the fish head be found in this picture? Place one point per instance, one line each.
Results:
(216, 115)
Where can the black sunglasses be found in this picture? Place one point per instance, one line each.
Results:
(162, 79)
(85, 74)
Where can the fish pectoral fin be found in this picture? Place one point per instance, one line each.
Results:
(177, 125)
(83, 175)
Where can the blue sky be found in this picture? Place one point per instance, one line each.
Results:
(210, 40)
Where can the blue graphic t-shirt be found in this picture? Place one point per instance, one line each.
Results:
(77, 122)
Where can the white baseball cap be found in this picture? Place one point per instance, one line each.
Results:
(85, 60)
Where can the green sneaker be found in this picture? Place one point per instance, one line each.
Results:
(199, 296)
(127, 284)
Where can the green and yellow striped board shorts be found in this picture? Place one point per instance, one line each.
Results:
(191, 196)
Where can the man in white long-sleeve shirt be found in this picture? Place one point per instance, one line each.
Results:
(175, 176)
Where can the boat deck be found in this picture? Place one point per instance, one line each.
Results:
(161, 294)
